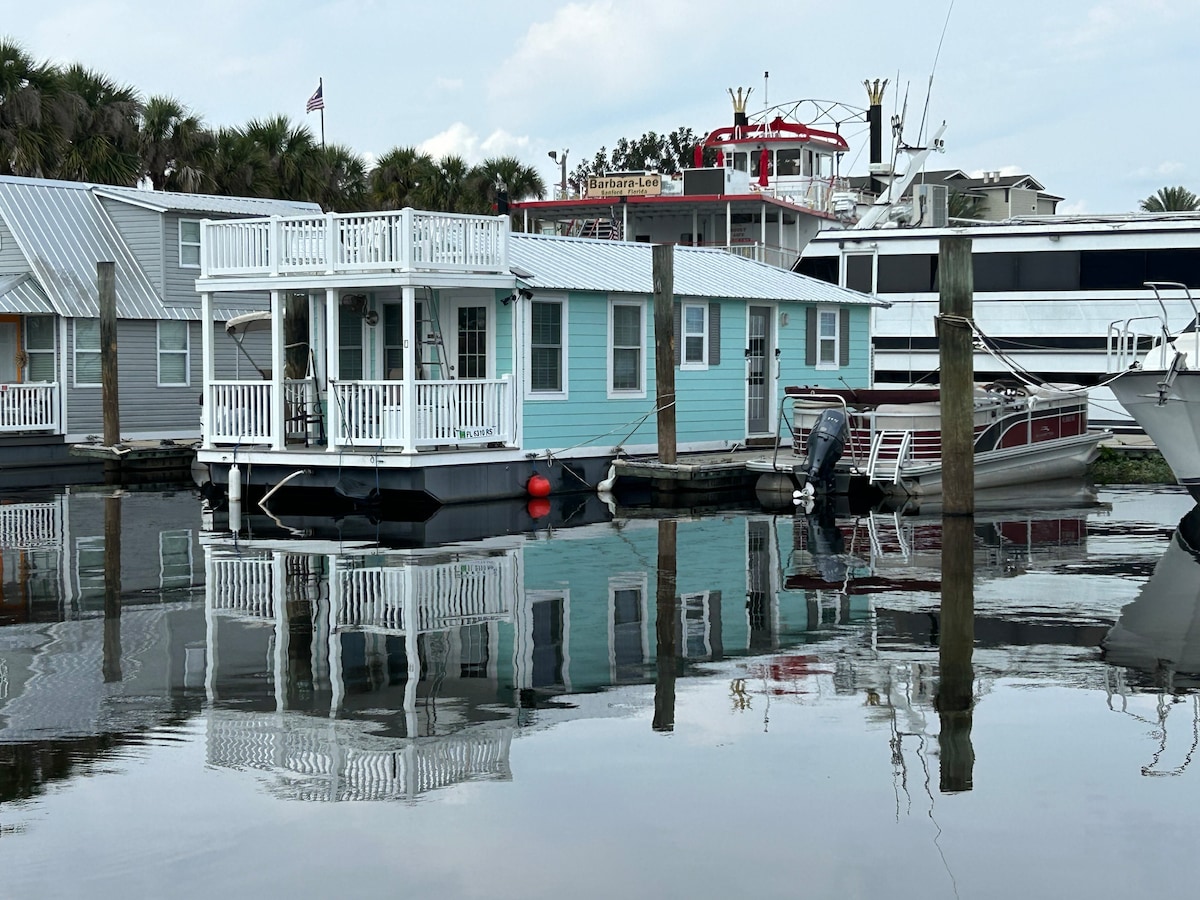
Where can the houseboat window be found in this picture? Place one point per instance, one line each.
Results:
(472, 342)
(627, 345)
(914, 273)
(189, 243)
(549, 633)
(474, 654)
(173, 353)
(695, 335)
(350, 345)
(546, 346)
(87, 352)
(39, 348)
(824, 268)
(827, 339)
(787, 162)
(860, 272)
(628, 632)
(740, 161)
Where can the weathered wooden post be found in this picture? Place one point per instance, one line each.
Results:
(957, 360)
(112, 589)
(664, 349)
(110, 398)
(667, 614)
(956, 640)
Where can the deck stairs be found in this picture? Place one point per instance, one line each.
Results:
(889, 450)
(888, 538)
(600, 229)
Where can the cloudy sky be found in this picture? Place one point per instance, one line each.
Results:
(1095, 98)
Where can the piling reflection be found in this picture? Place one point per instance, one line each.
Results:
(956, 639)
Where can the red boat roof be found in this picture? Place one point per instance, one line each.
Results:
(777, 130)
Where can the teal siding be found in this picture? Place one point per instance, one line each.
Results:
(504, 334)
(710, 403)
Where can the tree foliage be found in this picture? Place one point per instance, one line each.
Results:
(1170, 199)
(668, 154)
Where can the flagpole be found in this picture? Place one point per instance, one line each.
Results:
(321, 88)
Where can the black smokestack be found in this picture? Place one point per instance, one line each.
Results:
(875, 125)
(739, 106)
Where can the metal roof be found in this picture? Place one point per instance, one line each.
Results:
(63, 231)
(583, 264)
(21, 295)
(169, 201)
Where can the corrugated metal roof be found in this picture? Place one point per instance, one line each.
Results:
(582, 264)
(168, 201)
(21, 295)
(63, 231)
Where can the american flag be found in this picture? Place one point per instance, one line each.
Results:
(317, 100)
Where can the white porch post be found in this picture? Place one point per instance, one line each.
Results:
(728, 225)
(207, 365)
(695, 228)
(763, 234)
(408, 387)
(335, 429)
(278, 435)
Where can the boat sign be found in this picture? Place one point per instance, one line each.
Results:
(631, 185)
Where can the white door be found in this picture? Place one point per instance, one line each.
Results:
(471, 338)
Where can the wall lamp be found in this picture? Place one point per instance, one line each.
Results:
(523, 293)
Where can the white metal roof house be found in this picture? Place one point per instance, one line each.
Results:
(52, 235)
(444, 359)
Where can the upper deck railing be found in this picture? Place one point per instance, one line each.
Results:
(342, 243)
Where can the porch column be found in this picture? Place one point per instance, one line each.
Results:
(408, 387)
(695, 228)
(278, 436)
(762, 230)
(207, 364)
(335, 429)
(728, 225)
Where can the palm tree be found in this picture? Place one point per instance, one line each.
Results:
(177, 150)
(1170, 199)
(338, 179)
(291, 155)
(32, 117)
(960, 205)
(398, 178)
(102, 138)
(448, 190)
(240, 167)
(523, 182)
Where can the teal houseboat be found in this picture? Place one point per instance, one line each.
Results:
(444, 358)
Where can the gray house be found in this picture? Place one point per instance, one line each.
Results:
(52, 235)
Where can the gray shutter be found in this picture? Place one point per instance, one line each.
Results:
(844, 337)
(714, 334)
(810, 338)
(677, 324)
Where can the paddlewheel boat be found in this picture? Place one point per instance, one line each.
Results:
(892, 439)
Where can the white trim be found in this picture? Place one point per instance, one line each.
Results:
(186, 352)
(823, 340)
(702, 364)
(625, 394)
(527, 350)
(183, 243)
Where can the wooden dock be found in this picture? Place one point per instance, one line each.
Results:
(140, 462)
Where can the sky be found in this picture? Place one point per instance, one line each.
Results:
(1094, 98)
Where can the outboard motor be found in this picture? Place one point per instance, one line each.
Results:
(825, 444)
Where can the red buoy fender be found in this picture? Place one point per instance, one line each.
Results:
(538, 486)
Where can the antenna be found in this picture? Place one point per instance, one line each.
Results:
(929, 89)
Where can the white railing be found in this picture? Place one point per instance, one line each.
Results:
(238, 412)
(335, 243)
(241, 586)
(31, 526)
(471, 411)
(442, 595)
(29, 407)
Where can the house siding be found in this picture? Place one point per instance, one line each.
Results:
(145, 408)
(181, 282)
(142, 231)
(12, 260)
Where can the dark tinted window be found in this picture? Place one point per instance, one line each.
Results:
(1174, 265)
(1111, 270)
(912, 274)
(994, 271)
(1057, 271)
(822, 267)
(859, 271)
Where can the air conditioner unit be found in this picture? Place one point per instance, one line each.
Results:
(931, 205)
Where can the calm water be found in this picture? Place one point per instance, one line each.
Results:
(722, 704)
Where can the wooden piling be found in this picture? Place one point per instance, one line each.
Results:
(112, 590)
(957, 360)
(664, 349)
(110, 399)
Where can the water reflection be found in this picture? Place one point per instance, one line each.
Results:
(340, 668)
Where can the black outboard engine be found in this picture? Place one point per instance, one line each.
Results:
(825, 444)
